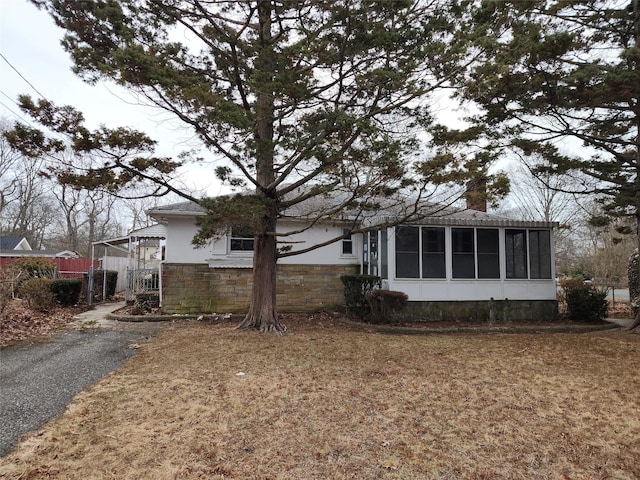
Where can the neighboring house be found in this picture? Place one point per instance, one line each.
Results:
(12, 243)
(466, 265)
(68, 263)
(18, 247)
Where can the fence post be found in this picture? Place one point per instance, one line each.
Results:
(90, 286)
(126, 284)
(160, 285)
(104, 284)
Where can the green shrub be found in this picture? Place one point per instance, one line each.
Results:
(386, 304)
(356, 289)
(36, 267)
(37, 293)
(587, 304)
(98, 281)
(67, 292)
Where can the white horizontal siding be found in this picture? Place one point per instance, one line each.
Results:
(181, 230)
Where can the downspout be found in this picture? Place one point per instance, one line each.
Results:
(160, 283)
(104, 280)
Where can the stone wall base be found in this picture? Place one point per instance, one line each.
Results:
(498, 311)
(197, 288)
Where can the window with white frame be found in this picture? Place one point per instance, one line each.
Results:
(347, 242)
(241, 239)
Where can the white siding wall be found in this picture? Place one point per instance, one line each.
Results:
(327, 255)
(180, 232)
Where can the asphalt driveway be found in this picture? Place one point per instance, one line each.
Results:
(38, 380)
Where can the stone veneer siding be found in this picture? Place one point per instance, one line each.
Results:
(197, 288)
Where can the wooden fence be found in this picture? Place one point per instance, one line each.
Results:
(66, 267)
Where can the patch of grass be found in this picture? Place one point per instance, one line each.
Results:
(331, 402)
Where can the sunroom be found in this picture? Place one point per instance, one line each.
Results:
(474, 268)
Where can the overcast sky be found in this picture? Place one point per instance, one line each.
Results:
(33, 62)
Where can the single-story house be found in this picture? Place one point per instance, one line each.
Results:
(12, 243)
(14, 246)
(68, 264)
(465, 265)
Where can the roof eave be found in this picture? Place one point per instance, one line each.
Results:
(467, 222)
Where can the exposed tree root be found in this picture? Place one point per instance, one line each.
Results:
(263, 324)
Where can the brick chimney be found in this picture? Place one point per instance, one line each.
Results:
(476, 194)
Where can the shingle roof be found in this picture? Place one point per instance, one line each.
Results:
(9, 242)
(190, 208)
(39, 253)
(152, 231)
(441, 215)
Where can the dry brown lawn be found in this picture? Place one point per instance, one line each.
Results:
(332, 402)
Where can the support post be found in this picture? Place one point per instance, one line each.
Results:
(90, 284)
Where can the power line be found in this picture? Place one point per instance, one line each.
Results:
(24, 119)
(13, 101)
(14, 113)
(22, 76)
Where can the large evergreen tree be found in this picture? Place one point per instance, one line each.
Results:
(561, 79)
(298, 99)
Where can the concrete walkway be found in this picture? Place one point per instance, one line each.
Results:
(99, 314)
(623, 322)
(38, 380)
(101, 317)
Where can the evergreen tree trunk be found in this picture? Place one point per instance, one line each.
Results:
(634, 263)
(635, 11)
(262, 313)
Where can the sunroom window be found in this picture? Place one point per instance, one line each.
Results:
(540, 253)
(421, 252)
(516, 253)
(433, 253)
(407, 252)
(488, 242)
(463, 253)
